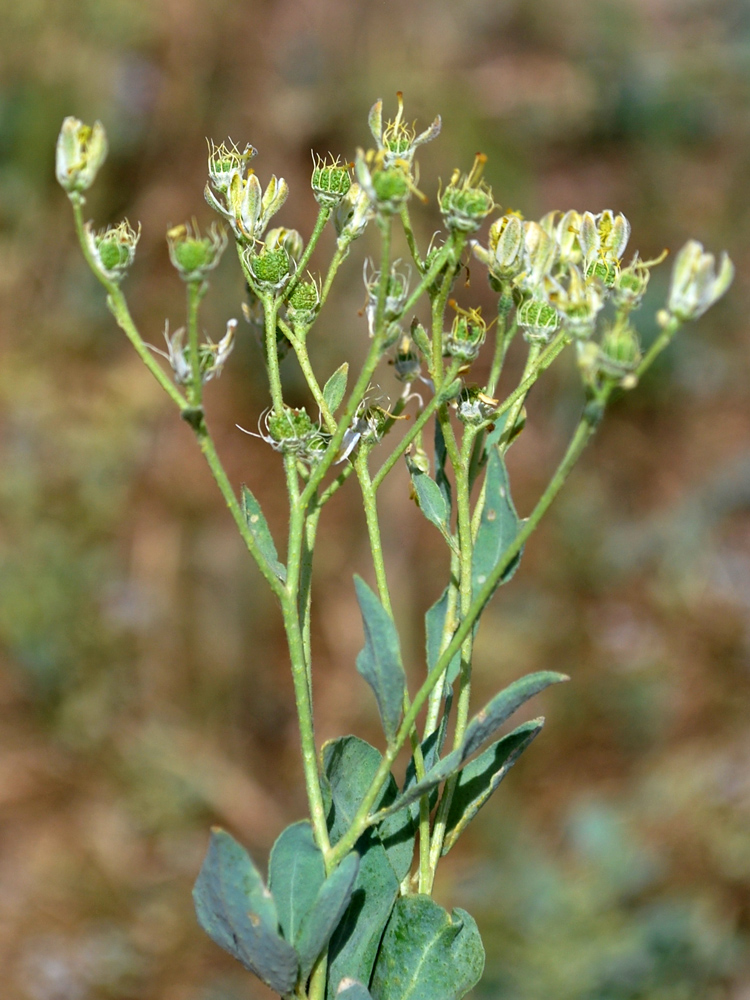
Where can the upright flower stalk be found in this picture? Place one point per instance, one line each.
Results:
(347, 908)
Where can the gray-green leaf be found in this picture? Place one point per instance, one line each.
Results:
(355, 941)
(335, 387)
(352, 989)
(434, 622)
(481, 776)
(260, 531)
(441, 454)
(430, 500)
(427, 953)
(499, 525)
(350, 765)
(380, 661)
(237, 912)
(324, 916)
(296, 871)
(481, 727)
(503, 705)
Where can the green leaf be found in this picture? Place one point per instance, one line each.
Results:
(430, 500)
(296, 871)
(481, 776)
(350, 765)
(324, 916)
(260, 531)
(352, 989)
(355, 942)
(380, 661)
(237, 912)
(440, 457)
(444, 769)
(335, 387)
(434, 622)
(427, 953)
(503, 705)
(481, 727)
(498, 528)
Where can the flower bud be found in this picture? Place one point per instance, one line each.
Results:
(226, 161)
(565, 233)
(615, 360)
(81, 150)
(406, 362)
(290, 239)
(351, 215)
(540, 254)
(466, 335)
(387, 187)
(303, 305)
(474, 407)
(292, 432)
(538, 320)
(330, 181)
(695, 284)
(577, 301)
(194, 255)
(270, 269)
(395, 296)
(397, 142)
(603, 239)
(467, 201)
(113, 248)
(632, 281)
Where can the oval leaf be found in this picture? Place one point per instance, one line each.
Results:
(260, 531)
(499, 525)
(335, 387)
(354, 944)
(324, 916)
(434, 622)
(481, 776)
(427, 953)
(296, 871)
(430, 500)
(352, 989)
(350, 765)
(237, 912)
(380, 661)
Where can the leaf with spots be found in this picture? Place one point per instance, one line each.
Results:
(499, 525)
(260, 531)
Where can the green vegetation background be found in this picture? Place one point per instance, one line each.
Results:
(143, 683)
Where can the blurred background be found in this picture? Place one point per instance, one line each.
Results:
(144, 688)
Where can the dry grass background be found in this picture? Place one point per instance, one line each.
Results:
(143, 683)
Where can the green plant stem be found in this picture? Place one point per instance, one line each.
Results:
(504, 336)
(461, 462)
(270, 312)
(290, 606)
(336, 262)
(369, 500)
(208, 448)
(300, 349)
(362, 384)
(410, 238)
(439, 302)
(415, 429)
(663, 340)
(362, 819)
(194, 295)
(324, 214)
(119, 309)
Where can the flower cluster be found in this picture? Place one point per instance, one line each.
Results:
(237, 195)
